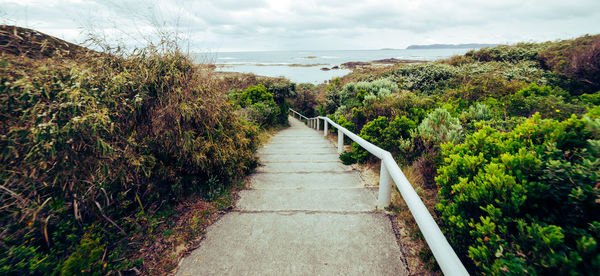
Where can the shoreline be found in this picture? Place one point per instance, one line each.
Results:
(345, 65)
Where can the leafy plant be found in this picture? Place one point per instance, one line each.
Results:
(440, 127)
(93, 144)
(524, 200)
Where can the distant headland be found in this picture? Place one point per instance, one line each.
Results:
(451, 46)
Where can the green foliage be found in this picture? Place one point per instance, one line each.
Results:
(393, 136)
(592, 99)
(549, 102)
(478, 112)
(253, 94)
(102, 140)
(87, 258)
(524, 200)
(305, 100)
(427, 77)
(332, 96)
(281, 90)
(347, 157)
(260, 106)
(514, 53)
(362, 90)
(518, 173)
(440, 127)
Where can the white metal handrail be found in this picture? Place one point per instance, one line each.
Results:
(299, 115)
(441, 249)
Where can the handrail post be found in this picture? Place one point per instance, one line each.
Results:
(340, 141)
(325, 128)
(318, 124)
(385, 187)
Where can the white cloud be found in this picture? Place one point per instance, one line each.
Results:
(312, 24)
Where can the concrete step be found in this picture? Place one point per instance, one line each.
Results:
(298, 150)
(338, 200)
(297, 243)
(323, 180)
(298, 157)
(285, 147)
(303, 167)
(304, 214)
(299, 141)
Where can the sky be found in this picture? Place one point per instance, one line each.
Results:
(257, 25)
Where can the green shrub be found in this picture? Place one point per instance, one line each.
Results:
(513, 53)
(549, 102)
(100, 140)
(593, 99)
(524, 201)
(281, 90)
(426, 77)
(440, 127)
(253, 94)
(263, 114)
(347, 158)
(87, 258)
(393, 136)
(478, 112)
(305, 100)
(360, 90)
(260, 107)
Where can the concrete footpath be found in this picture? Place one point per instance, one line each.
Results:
(305, 213)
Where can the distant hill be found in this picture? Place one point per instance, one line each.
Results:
(20, 41)
(451, 46)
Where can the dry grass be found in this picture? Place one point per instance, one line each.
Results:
(417, 253)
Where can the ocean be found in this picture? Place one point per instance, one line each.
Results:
(305, 66)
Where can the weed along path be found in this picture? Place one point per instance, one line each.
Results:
(305, 213)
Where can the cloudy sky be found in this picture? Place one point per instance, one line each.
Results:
(245, 25)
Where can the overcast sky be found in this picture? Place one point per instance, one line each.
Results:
(244, 25)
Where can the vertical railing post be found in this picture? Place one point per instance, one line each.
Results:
(340, 141)
(325, 127)
(385, 187)
(318, 124)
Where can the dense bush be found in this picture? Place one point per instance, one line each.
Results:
(440, 127)
(512, 53)
(305, 100)
(520, 194)
(578, 60)
(92, 146)
(427, 77)
(257, 105)
(549, 102)
(478, 112)
(525, 201)
(393, 136)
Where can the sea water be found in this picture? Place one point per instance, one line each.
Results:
(305, 66)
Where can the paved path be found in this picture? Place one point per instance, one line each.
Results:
(305, 213)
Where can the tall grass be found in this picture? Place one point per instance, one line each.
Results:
(93, 145)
